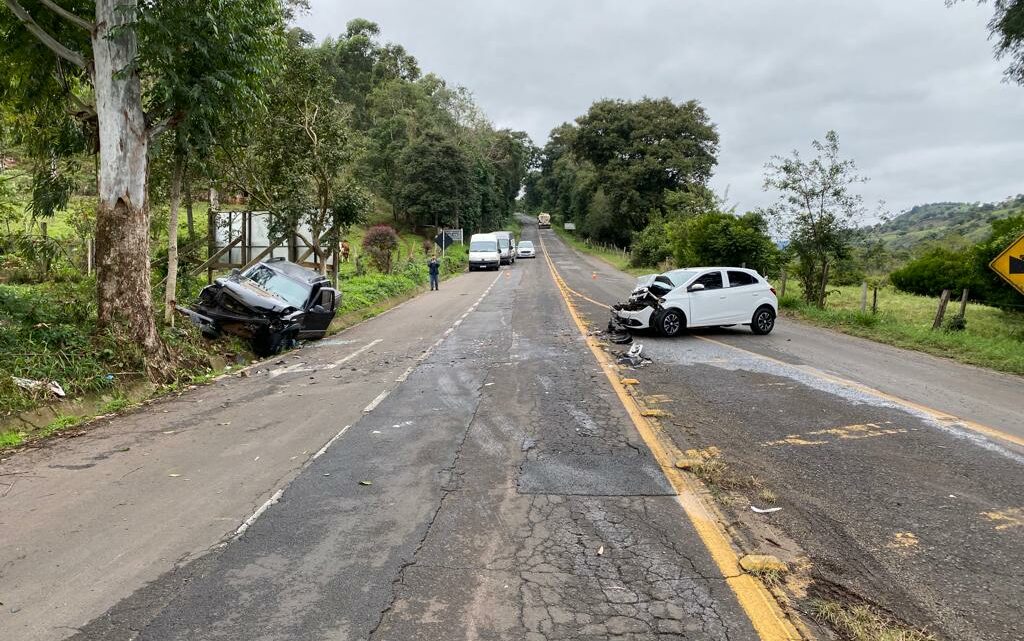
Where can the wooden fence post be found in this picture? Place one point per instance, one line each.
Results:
(941, 312)
(823, 294)
(874, 299)
(963, 303)
(864, 297)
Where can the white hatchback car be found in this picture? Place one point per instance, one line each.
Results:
(525, 250)
(700, 297)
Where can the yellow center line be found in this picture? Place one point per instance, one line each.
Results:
(937, 415)
(760, 606)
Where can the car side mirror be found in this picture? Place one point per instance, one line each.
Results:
(696, 287)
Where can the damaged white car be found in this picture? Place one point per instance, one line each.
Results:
(699, 297)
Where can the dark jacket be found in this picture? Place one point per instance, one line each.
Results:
(434, 267)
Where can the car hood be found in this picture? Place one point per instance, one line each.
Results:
(254, 296)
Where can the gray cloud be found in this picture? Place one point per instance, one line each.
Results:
(910, 85)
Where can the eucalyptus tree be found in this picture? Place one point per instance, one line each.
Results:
(117, 65)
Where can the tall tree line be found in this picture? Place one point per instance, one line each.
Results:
(151, 101)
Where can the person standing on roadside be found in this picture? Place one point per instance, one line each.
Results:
(434, 267)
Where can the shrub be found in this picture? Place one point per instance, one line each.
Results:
(380, 242)
(935, 271)
(651, 246)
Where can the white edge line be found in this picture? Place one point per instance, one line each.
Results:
(329, 443)
(354, 354)
(369, 408)
(375, 402)
(258, 513)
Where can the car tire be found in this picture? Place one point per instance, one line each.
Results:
(670, 323)
(472, 269)
(763, 321)
(266, 343)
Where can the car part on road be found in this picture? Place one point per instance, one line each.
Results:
(273, 304)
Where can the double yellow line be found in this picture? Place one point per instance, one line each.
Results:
(760, 606)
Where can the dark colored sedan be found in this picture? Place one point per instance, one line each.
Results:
(273, 304)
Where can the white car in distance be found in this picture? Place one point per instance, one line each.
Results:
(525, 249)
(700, 297)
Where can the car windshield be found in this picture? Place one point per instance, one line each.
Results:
(503, 243)
(292, 291)
(483, 246)
(526, 244)
(680, 276)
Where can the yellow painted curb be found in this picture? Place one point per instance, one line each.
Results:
(760, 606)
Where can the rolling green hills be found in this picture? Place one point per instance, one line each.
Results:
(956, 224)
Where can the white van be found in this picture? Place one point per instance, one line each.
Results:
(507, 246)
(484, 252)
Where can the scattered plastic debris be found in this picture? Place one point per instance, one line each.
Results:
(769, 510)
(634, 357)
(31, 385)
(366, 482)
(600, 551)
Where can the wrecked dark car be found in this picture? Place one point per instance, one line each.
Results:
(273, 304)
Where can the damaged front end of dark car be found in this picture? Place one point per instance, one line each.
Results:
(273, 304)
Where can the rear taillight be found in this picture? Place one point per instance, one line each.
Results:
(773, 291)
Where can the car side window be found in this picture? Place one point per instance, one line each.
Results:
(739, 279)
(710, 280)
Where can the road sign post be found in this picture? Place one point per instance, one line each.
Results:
(1010, 264)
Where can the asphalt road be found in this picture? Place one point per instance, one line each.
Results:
(465, 467)
(499, 491)
(899, 474)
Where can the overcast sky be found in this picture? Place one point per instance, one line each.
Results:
(910, 85)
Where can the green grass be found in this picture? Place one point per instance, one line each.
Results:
(615, 258)
(11, 438)
(993, 338)
(862, 623)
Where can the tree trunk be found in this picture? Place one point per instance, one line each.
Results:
(171, 290)
(187, 185)
(124, 299)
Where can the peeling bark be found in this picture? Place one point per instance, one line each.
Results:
(170, 291)
(125, 301)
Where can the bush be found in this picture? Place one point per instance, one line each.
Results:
(380, 243)
(651, 246)
(935, 271)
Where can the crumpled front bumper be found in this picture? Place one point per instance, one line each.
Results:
(633, 316)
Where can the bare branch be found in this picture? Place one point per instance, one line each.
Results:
(51, 43)
(67, 15)
(161, 126)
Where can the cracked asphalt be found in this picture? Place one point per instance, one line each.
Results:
(460, 468)
(498, 491)
(889, 494)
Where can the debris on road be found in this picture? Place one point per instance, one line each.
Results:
(634, 357)
(366, 482)
(768, 510)
(600, 551)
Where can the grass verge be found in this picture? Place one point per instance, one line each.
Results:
(992, 337)
(862, 623)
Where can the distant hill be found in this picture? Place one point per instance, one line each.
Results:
(957, 223)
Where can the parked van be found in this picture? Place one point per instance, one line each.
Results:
(507, 245)
(484, 252)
